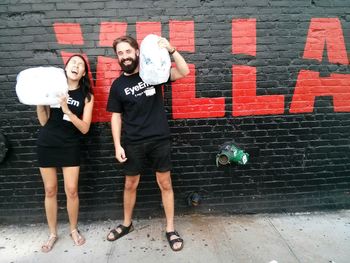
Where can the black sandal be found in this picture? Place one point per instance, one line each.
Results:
(175, 240)
(124, 230)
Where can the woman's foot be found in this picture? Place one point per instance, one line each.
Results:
(77, 237)
(49, 243)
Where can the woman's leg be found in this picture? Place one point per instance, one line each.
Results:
(71, 178)
(50, 184)
(49, 176)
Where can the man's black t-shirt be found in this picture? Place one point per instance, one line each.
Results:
(142, 109)
(59, 131)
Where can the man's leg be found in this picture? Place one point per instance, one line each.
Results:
(130, 190)
(165, 185)
(166, 188)
(132, 169)
(129, 200)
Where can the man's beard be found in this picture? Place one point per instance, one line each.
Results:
(129, 69)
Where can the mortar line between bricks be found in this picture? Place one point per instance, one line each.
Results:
(285, 241)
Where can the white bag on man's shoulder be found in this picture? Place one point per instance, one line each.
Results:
(41, 85)
(155, 62)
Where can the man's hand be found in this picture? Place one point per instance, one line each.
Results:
(164, 43)
(120, 154)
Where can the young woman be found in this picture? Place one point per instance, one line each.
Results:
(58, 146)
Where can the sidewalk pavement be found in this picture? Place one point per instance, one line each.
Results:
(263, 238)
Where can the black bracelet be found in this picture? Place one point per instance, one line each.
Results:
(173, 51)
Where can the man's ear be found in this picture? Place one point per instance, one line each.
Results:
(138, 52)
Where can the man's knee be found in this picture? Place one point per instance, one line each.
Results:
(131, 183)
(165, 186)
(164, 181)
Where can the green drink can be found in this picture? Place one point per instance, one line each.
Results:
(231, 154)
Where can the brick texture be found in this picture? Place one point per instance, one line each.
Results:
(272, 76)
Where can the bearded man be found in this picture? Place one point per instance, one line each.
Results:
(138, 107)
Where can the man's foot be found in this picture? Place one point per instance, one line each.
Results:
(77, 237)
(49, 243)
(119, 232)
(176, 243)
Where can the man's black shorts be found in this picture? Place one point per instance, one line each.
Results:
(155, 153)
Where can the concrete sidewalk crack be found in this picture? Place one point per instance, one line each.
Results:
(223, 236)
(110, 252)
(284, 240)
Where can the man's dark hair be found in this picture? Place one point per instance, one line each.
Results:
(126, 39)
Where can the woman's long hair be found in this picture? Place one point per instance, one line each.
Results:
(84, 82)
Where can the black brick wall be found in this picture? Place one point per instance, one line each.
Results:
(299, 162)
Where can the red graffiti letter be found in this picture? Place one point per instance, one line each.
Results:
(145, 28)
(245, 102)
(107, 69)
(184, 101)
(326, 31)
(244, 36)
(244, 99)
(68, 33)
(310, 84)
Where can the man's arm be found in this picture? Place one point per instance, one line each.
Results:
(181, 70)
(116, 123)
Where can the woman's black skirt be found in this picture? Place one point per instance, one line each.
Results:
(58, 156)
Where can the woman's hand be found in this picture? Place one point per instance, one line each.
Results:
(64, 105)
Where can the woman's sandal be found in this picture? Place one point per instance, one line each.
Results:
(172, 242)
(80, 239)
(49, 243)
(123, 231)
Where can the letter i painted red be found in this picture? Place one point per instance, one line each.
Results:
(145, 28)
(184, 101)
(244, 98)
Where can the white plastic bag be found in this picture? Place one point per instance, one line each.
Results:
(155, 62)
(41, 85)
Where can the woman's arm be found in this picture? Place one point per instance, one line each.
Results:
(43, 113)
